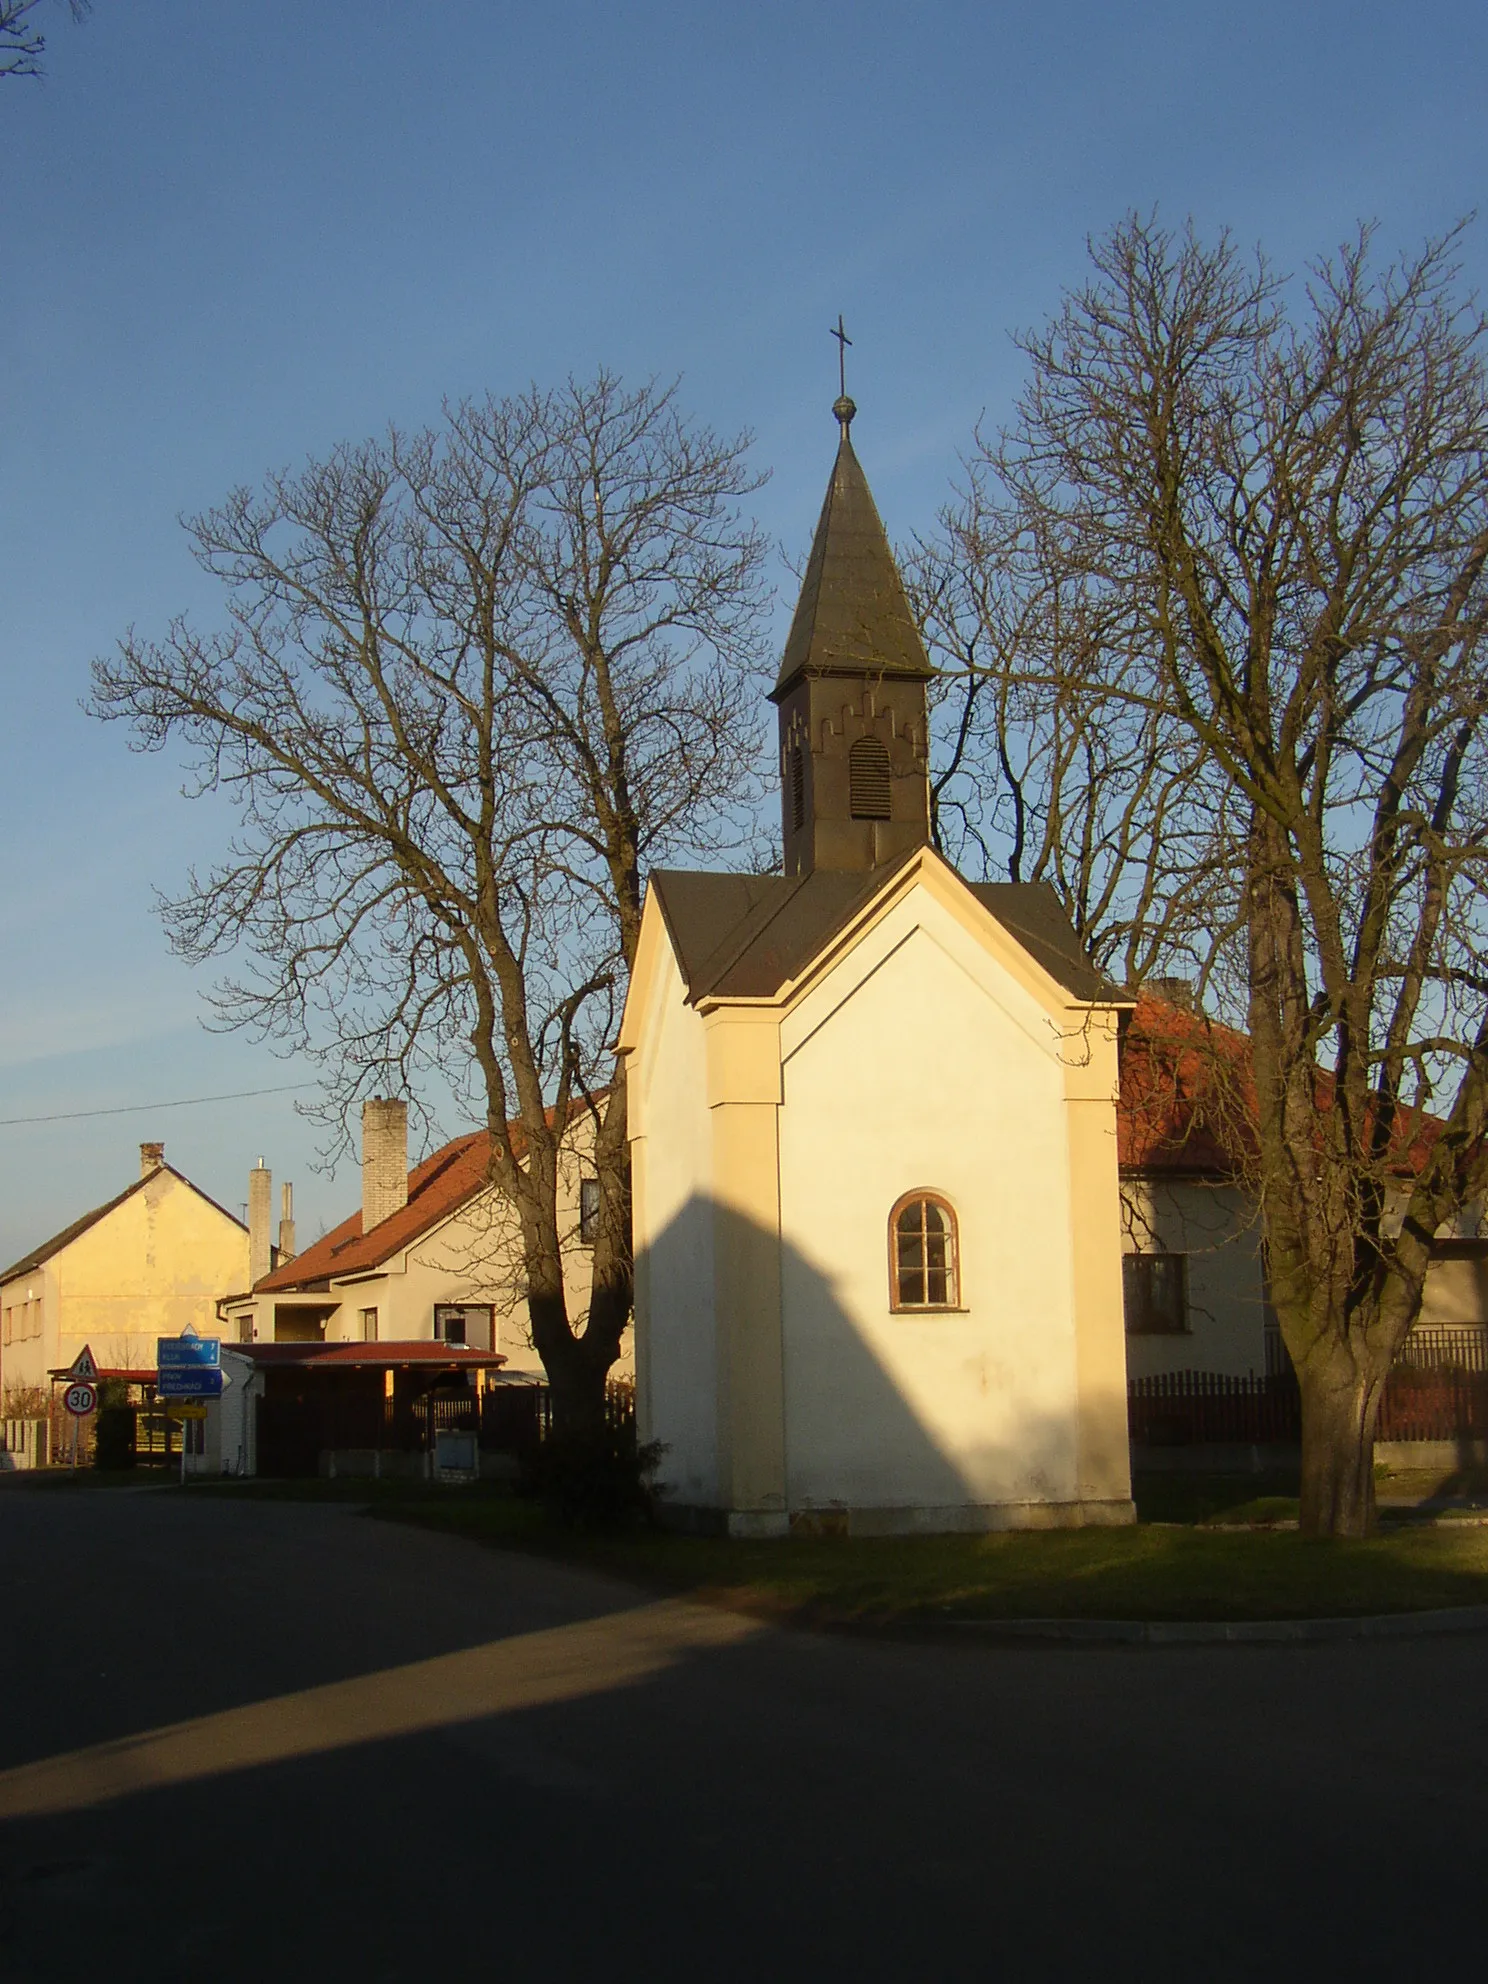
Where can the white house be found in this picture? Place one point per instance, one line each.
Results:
(431, 1255)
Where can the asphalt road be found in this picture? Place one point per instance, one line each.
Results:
(245, 1740)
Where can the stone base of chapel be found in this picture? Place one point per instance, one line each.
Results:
(964, 1518)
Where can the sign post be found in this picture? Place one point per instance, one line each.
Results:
(82, 1373)
(188, 1366)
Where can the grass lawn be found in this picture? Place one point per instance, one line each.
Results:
(1156, 1570)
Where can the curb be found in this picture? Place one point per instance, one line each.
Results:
(1229, 1632)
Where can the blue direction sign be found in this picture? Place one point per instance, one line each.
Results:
(188, 1367)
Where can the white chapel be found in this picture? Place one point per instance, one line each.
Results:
(872, 1112)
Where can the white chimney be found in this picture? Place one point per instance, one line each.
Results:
(286, 1224)
(260, 1188)
(152, 1156)
(384, 1160)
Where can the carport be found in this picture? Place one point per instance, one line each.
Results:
(363, 1408)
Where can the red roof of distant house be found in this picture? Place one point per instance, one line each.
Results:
(370, 1356)
(1188, 1102)
(436, 1188)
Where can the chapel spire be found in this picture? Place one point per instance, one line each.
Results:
(851, 690)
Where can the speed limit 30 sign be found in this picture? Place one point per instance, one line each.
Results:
(80, 1399)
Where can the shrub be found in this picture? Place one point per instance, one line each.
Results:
(113, 1436)
(593, 1481)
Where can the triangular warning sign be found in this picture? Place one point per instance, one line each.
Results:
(84, 1367)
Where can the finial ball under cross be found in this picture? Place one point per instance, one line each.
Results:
(843, 408)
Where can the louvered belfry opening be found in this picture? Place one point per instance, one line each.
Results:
(798, 787)
(868, 779)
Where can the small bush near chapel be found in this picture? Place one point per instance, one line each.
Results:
(594, 1480)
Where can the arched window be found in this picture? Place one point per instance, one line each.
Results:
(868, 779)
(924, 1263)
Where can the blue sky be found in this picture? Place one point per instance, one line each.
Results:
(236, 233)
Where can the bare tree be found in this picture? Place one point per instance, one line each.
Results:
(1274, 499)
(22, 42)
(1042, 778)
(473, 682)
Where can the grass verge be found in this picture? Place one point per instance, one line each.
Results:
(1154, 1570)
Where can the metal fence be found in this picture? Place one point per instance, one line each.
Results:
(516, 1419)
(1196, 1408)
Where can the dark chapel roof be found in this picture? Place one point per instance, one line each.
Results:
(744, 936)
(852, 616)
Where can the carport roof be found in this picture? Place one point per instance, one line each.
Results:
(369, 1356)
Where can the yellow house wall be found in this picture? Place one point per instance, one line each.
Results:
(150, 1268)
(1456, 1295)
(28, 1339)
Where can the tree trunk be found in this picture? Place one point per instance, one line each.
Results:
(577, 1384)
(1340, 1410)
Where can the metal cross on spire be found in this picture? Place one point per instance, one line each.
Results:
(844, 408)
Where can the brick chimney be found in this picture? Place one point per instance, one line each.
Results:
(152, 1156)
(286, 1224)
(384, 1160)
(260, 1189)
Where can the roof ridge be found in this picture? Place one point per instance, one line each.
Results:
(40, 1254)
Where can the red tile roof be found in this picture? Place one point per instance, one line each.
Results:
(1188, 1102)
(436, 1188)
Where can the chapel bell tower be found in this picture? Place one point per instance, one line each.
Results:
(854, 762)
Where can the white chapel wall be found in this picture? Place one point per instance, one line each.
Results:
(676, 1354)
(922, 1062)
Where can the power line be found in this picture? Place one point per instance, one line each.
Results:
(138, 1108)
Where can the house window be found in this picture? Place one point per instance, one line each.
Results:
(369, 1326)
(588, 1211)
(868, 779)
(924, 1269)
(449, 1323)
(1154, 1294)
